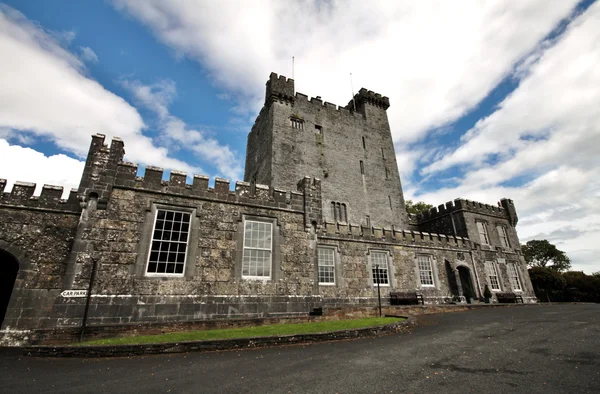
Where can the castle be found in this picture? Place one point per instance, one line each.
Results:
(319, 221)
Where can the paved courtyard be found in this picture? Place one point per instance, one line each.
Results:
(526, 349)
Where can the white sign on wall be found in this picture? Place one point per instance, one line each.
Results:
(74, 293)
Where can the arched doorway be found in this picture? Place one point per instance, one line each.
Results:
(466, 282)
(9, 267)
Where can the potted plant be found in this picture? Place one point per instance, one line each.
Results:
(487, 294)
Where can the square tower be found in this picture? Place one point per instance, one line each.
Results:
(349, 148)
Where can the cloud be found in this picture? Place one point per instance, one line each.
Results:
(88, 55)
(176, 133)
(547, 129)
(44, 93)
(434, 60)
(58, 170)
(553, 113)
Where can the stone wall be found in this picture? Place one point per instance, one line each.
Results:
(330, 144)
(38, 232)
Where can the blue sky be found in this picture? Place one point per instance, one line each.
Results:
(488, 100)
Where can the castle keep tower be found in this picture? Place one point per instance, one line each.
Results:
(350, 150)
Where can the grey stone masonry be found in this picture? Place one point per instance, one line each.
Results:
(319, 217)
(351, 151)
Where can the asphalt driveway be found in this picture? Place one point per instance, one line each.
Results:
(525, 349)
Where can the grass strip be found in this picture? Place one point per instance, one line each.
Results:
(248, 332)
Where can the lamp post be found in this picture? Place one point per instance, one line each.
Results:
(378, 289)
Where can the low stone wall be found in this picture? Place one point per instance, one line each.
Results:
(195, 346)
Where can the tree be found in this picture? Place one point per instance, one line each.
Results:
(541, 253)
(546, 281)
(417, 207)
(582, 287)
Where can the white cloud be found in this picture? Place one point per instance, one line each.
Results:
(44, 93)
(58, 170)
(88, 55)
(175, 132)
(434, 59)
(549, 130)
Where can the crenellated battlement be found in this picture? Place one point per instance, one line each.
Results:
(21, 195)
(461, 205)
(244, 192)
(319, 104)
(394, 236)
(279, 87)
(365, 96)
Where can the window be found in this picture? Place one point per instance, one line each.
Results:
(338, 212)
(362, 167)
(387, 173)
(492, 274)
(382, 155)
(326, 260)
(364, 143)
(256, 262)
(169, 243)
(390, 200)
(297, 123)
(425, 270)
(482, 229)
(513, 276)
(379, 268)
(503, 236)
(318, 129)
(368, 219)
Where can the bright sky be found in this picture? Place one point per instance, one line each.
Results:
(488, 99)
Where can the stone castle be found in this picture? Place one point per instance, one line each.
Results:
(319, 221)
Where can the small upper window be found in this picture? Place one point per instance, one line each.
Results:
(483, 236)
(503, 236)
(425, 270)
(169, 243)
(297, 123)
(318, 129)
(338, 211)
(256, 263)
(362, 167)
(379, 268)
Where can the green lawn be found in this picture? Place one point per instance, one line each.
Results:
(248, 332)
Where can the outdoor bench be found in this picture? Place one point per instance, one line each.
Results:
(406, 298)
(509, 298)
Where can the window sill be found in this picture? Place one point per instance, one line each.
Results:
(256, 278)
(326, 284)
(151, 275)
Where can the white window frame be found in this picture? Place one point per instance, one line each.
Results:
(331, 250)
(425, 270)
(372, 253)
(270, 249)
(483, 233)
(513, 277)
(168, 242)
(491, 271)
(503, 236)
